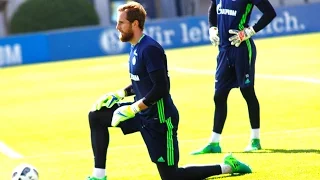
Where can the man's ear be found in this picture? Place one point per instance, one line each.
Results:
(135, 23)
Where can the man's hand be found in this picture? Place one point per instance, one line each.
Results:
(214, 36)
(240, 36)
(124, 113)
(108, 100)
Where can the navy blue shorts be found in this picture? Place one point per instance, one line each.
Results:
(236, 66)
(160, 138)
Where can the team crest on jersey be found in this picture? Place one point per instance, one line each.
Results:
(134, 59)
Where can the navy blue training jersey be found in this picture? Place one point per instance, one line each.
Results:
(145, 57)
(232, 14)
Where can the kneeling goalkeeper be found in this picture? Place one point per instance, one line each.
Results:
(153, 112)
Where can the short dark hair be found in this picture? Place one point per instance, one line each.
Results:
(135, 11)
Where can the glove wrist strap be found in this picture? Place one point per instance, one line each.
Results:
(213, 30)
(135, 106)
(251, 31)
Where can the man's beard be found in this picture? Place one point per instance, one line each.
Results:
(125, 37)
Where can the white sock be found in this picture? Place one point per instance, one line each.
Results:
(99, 173)
(255, 133)
(225, 169)
(215, 137)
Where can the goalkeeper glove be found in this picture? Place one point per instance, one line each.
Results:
(108, 100)
(240, 36)
(124, 113)
(213, 36)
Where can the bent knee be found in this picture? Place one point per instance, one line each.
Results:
(92, 115)
(93, 118)
(101, 118)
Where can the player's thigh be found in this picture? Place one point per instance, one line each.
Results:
(225, 77)
(245, 58)
(103, 117)
(131, 125)
(161, 141)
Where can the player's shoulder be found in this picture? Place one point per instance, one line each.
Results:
(149, 43)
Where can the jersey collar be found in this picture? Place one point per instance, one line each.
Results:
(132, 46)
(141, 38)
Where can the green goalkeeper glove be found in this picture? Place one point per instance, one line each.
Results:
(124, 113)
(108, 100)
(240, 36)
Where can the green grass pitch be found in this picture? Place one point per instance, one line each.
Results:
(44, 108)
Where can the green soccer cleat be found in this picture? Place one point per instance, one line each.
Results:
(93, 178)
(253, 146)
(236, 165)
(210, 148)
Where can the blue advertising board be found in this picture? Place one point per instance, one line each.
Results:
(75, 44)
(24, 49)
(170, 33)
(290, 20)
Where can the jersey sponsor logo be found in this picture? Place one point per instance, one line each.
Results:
(229, 12)
(134, 77)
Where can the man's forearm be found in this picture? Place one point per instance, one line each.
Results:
(268, 15)
(212, 15)
(129, 90)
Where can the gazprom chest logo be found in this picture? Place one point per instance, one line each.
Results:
(110, 43)
(229, 12)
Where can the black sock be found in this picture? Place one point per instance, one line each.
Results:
(99, 140)
(188, 173)
(220, 112)
(253, 106)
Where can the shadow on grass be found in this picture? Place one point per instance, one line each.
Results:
(225, 176)
(316, 151)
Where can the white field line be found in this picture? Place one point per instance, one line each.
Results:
(262, 76)
(141, 146)
(6, 150)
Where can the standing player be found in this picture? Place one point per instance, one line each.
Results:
(236, 62)
(153, 113)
